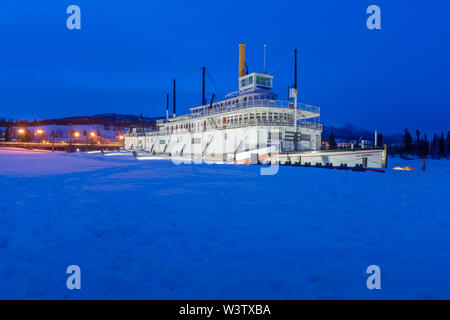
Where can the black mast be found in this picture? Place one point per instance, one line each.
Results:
(174, 99)
(295, 68)
(167, 111)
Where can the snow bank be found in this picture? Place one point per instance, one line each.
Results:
(29, 163)
(155, 230)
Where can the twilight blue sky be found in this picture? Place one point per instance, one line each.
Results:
(127, 53)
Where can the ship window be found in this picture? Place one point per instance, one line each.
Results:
(247, 81)
(305, 137)
(263, 81)
(260, 81)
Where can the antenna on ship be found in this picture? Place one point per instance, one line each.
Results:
(174, 99)
(203, 86)
(294, 94)
(265, 48)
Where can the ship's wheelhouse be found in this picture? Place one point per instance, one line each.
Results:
(255, 82)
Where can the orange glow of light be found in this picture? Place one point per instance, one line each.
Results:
(40, 131)
(92, 134)
(76, 134)
(121, 137)
(21, 131)
(407, 168)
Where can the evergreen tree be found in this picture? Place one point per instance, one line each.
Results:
(435, 145)
(426, 145)
(332, 141)
(448, 144)
(418, 143)
(442, 145)
(379, 140)
(407, 142)
(421, 147)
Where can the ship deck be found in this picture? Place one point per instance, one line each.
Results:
(305, 111)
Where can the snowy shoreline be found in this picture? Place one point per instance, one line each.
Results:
(156, 230)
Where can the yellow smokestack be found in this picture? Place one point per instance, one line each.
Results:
(241, 60)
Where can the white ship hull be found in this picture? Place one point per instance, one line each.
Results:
(250, 144)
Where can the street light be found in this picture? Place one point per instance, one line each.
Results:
(121, 137)
(21, 131)
(40, 131)
(92, 134)
(76, 134)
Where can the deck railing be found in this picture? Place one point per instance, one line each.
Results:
(250, 123)
(245, 105)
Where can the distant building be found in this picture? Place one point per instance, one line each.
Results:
(346, 144)
(2, 133)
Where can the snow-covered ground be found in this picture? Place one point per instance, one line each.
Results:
(156, 230)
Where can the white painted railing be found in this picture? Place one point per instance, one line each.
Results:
(245, 105)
